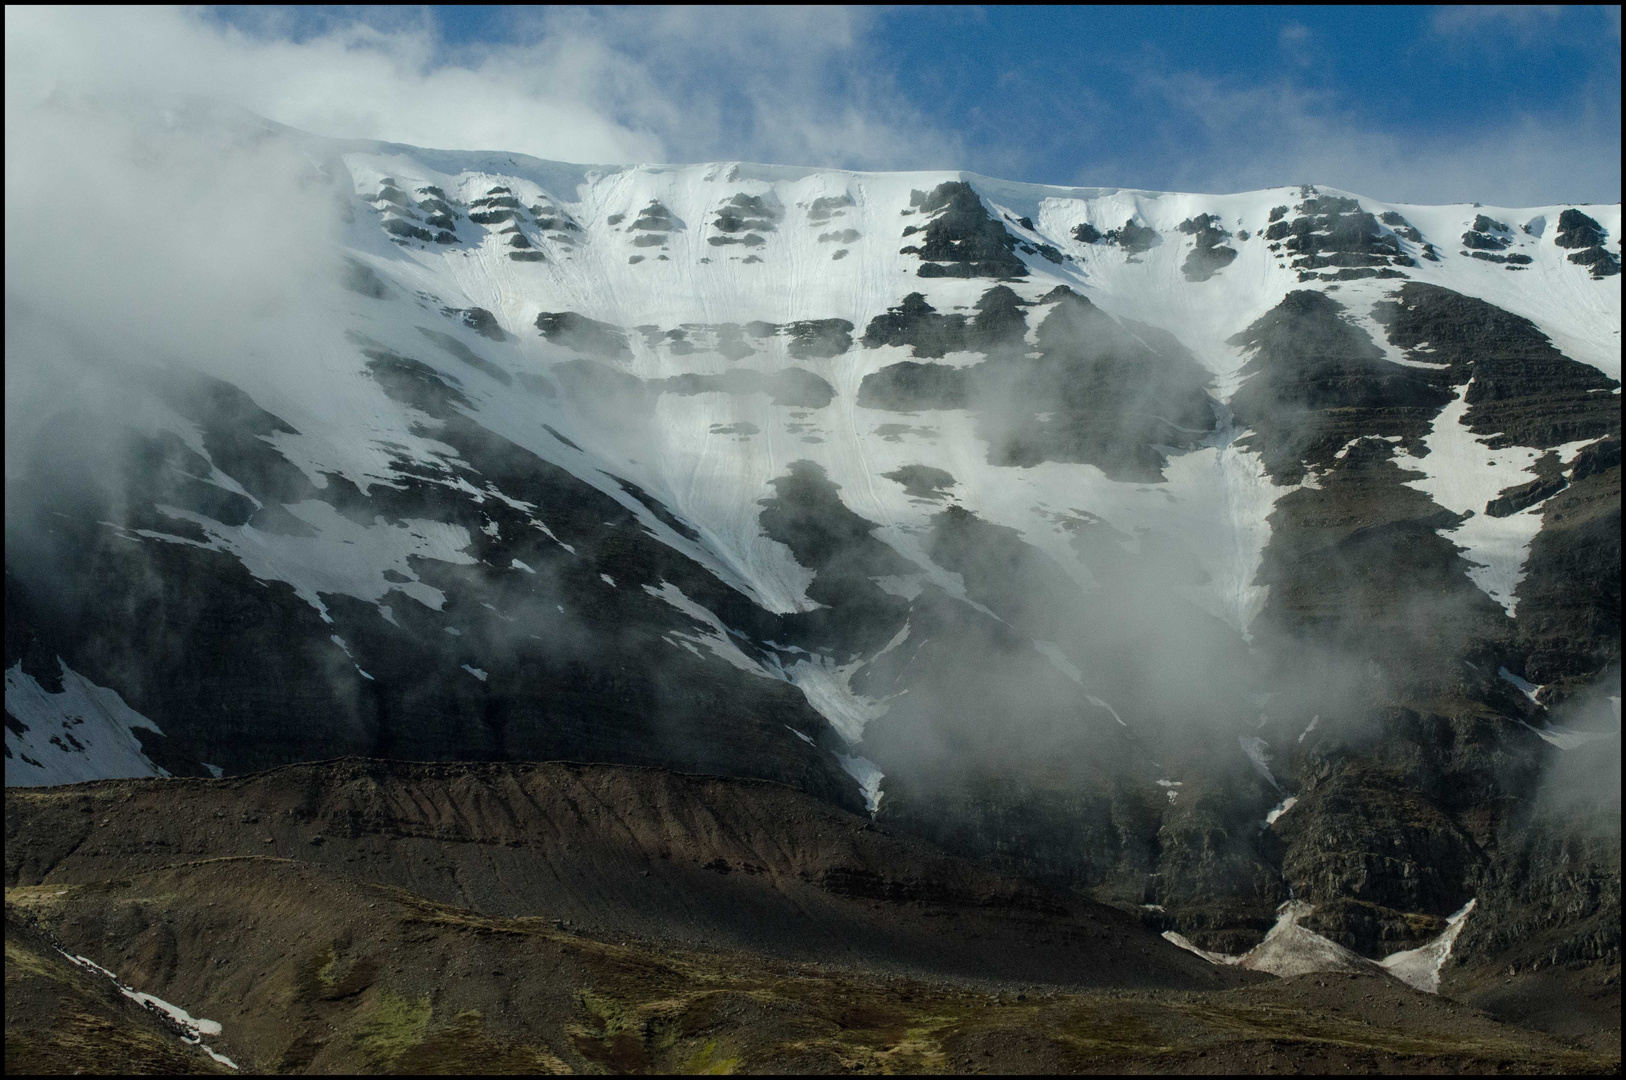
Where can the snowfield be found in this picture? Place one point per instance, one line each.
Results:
(681, 296)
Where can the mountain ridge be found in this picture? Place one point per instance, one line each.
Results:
(1072, 529)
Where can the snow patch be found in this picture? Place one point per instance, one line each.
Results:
(1462, 474)
(1314, 720)
(1281, 808)
(868, 776)
(1420, 968)
(1097, 702)
(715, 638)
(193, 1029)
(1058, 660)
(1525, 687)
(343, 557)
(86, 732)
(1292, 949)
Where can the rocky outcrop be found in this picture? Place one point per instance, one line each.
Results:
(1578, 231)
(961, 238)
(1094, 392)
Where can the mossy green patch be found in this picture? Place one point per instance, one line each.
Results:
(392, 1026)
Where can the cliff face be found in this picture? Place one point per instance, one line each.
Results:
(1198, 552)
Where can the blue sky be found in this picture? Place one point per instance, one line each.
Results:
(1505, 105)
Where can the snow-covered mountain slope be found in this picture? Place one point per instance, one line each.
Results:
(1004, 502)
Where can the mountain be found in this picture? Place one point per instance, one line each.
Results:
(1196, 553)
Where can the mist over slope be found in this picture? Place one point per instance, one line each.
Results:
(1197, 551)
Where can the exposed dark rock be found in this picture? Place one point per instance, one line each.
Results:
(655, 218)
(1549, 481)
(806, 515)
(1133, 238)
(1315, 382)
(584, 335)
(462, 352)
(527, 256)
(1569, 600)
(1347, 562)
(1094, 393)
(922, 481)
(1577, 230)
(731, 342)
(845, 236)
(915, 323)
(1484, 241)
(500, 201)
(828, 206)
(243, 673)
(963, 239)
(493, 217)
(819, 339)
(790, 386)
(1373, 857)
(1207, 258)
(999, 324)
(479, 320)
(362, 279)
(1603, 262)
(1524, 392)
(745, 213)
(1330, 227)
(399, 227)
(661, 511)
(908, 386)
(1401, 226)
(1085, 233)
(749, 240)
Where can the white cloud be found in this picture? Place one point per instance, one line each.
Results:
(1521, 20)
(794, 85)
(1227, 137)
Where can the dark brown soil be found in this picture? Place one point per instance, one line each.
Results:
(498, 918)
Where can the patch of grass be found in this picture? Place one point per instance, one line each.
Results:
(707, 1061)
(466, 1046)
(332, 976)
(393, 1026)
